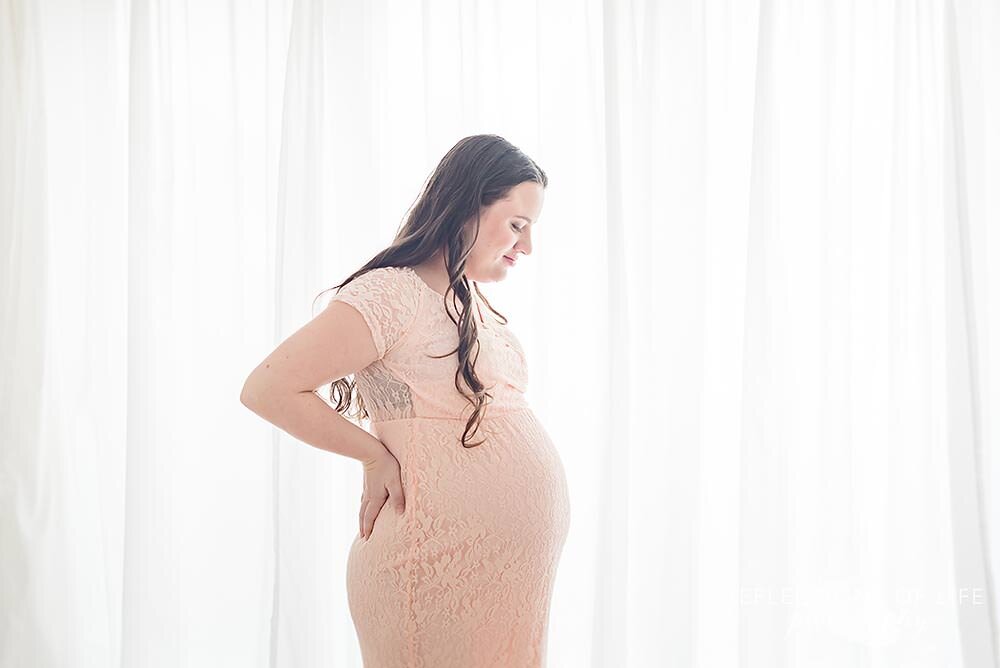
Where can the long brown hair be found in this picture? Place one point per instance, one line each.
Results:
(473, 174)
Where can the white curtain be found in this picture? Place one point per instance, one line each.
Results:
(758, 316)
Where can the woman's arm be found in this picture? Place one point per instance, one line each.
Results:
(282, 389)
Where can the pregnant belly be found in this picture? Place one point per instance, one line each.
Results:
(507, 495)
(468, 569)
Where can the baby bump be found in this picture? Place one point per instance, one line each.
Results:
(512, 489)
(482, 527)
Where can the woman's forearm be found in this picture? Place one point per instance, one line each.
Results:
(311, 420)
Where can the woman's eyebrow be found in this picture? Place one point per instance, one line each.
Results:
(526, 218)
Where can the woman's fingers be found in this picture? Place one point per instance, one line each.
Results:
(385, 475)
(371, 511)
(396, 495)
(361, 518)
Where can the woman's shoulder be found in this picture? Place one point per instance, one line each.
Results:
(385, 280)
(388, 300)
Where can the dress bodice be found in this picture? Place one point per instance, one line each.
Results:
(409, 324)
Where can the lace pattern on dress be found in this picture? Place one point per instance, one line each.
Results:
(386, 397)
(387, 301)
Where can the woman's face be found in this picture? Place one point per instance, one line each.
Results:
(505, 232)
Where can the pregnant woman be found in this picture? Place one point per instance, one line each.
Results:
(465, 505)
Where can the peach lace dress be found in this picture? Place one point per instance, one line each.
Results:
(463, 577)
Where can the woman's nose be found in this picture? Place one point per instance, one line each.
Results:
(524, 244)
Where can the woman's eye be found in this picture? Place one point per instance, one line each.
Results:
(515, 227)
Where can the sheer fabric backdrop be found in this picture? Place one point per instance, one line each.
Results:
(758, 316)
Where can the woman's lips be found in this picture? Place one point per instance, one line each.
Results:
(509, 261)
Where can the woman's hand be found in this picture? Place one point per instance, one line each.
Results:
(382, 483)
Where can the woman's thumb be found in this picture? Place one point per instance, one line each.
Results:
(400, 501)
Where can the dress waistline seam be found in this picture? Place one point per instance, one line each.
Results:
(488, 415)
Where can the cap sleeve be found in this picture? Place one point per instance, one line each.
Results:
(386, 299)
